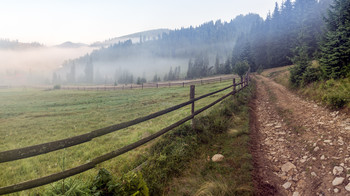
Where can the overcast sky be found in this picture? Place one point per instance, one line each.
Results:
(56, 21)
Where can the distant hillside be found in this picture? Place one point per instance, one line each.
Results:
(135, 37)
(69, 44)
(16, 45)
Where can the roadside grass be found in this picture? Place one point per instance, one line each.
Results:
(333, 93)
(180, 162)
(30, 116)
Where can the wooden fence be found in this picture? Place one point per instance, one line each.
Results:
(149, 85)
(35, 150)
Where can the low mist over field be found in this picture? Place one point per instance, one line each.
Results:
(34, 65)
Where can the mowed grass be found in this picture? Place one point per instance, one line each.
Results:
(31, 116)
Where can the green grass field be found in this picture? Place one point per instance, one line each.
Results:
(31, 116)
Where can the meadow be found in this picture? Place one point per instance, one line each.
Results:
(32, 116)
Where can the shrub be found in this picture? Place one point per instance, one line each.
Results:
(132, 184)
(129, 184)
(310, 75)
(335, 100)
(57, 86)
(67, 187)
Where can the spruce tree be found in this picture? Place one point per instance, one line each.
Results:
(335, 47)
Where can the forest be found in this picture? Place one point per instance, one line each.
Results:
(292, 31)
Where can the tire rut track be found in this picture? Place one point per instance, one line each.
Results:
(297, 144)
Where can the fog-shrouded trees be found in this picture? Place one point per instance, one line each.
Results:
(89, 71)
(199, 67)
(216, 47)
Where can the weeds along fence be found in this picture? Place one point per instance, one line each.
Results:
(149, 85)
(21, 153)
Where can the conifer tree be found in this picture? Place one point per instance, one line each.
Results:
(335, 48)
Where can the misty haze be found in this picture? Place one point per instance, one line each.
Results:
(177, 97)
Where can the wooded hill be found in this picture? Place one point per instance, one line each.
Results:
(218, 46)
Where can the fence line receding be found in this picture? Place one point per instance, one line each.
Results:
(35, 150)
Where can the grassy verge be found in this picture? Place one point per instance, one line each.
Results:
(29, 117)
(333, 93)
(180, 162)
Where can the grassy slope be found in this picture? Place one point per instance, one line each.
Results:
(329, 92)
(29, 117)
(225, 130)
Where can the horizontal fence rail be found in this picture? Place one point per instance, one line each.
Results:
(30, 151)
(149, 85)
(60, 144)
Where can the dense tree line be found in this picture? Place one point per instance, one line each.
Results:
(272, 42)
(216, 47)
(334, 49)
(15, 44)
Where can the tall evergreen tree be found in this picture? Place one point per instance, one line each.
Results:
(335, 48)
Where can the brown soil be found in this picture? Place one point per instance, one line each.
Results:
(289, 129)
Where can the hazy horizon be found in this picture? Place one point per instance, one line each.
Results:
(55, 22)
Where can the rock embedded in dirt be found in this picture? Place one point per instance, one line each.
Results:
(287, 166)
(336, 190)
(347, 187)
(287, 185)
(217, 158)
(316, 149)
(338, 181)
(296, 193)
(322, 157)
(337, 170)
(278, 126)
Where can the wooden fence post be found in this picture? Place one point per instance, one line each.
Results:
(183, 84)
(201, 82)
(169, 84)
(220, 79)
(234, 86)
(142, 85)
(192, 94)
(157, 85)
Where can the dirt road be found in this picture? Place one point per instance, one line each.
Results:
(299, 147)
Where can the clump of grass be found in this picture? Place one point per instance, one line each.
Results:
(334, 93)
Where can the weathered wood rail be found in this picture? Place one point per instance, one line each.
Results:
(35, 150)
(149, 85)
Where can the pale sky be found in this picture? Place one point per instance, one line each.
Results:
(53, 22)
